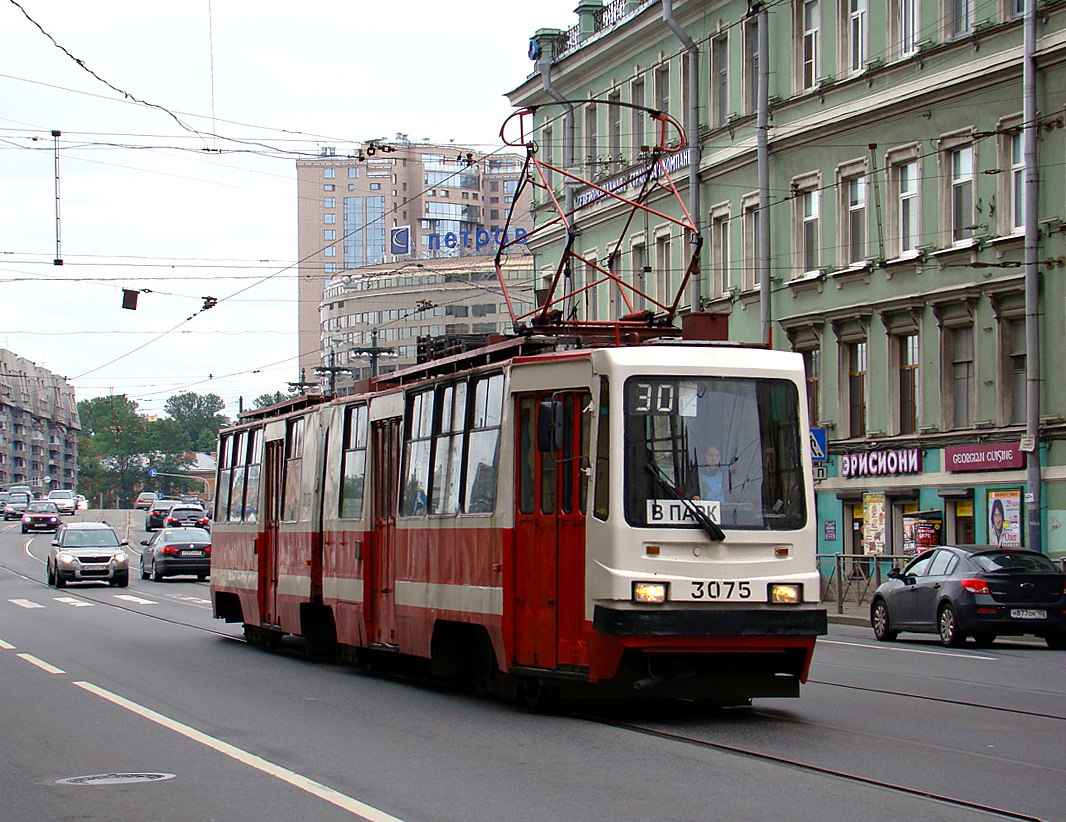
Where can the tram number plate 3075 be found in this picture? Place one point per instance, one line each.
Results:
(728, 591)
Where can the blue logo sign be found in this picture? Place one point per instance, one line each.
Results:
(819, 445)
(400, 240)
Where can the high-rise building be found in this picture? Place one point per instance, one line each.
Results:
(388, 203)
(39, 426)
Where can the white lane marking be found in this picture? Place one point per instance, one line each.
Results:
(40, 663)
(29, 542)
(24, 603)
(77, 603)
(337, 798)
(138, 600)
(899, 650)
(6, 646)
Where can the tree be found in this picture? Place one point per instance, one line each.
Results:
(112, 448)
(263, 400)
(198, 415)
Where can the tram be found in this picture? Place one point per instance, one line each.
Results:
(539, 518)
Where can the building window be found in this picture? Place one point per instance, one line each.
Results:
(904, 22)
(857, 388)
(962, 178)
(547, 136)
(662, 89)
(853, 209)
(329, 219)
(329, 173)
(329, 234)
(640, 272)
(807, 214)
(719, 237)
(962, 375)
(904, 182)
(614, 128)
(1017, 182)
(662, 286)
(330, 268)
(751, 226)
(908, 383)
(329, 187)
(720, 81)
(855, 35)
(353, 172)
(812, 366)
(636, 91)
(959, 17)
(591, 147)
(751, 64)
(809, 17)
(1016, 367)
(375, 186)
(329, 202)
(330, 251)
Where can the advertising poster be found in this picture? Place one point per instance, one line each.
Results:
(873, 523)
(1005, 518)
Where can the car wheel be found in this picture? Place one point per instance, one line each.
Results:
(48, 574)
(1057, 642)
(881, 622)
(122, 581)
(144, 573)
(984, 639)
(157, 575)
(60, 582)
(948, 627)
(201, 577)
(24, 529)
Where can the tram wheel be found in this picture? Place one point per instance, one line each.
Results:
(485, 670)
(537, 695)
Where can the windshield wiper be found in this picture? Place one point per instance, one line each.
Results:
(710, 527)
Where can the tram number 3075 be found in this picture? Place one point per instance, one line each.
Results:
(721, 590)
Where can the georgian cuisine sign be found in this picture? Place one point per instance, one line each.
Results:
(984, 457)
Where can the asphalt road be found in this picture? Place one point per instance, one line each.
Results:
(97, 681)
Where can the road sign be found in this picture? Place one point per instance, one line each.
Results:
(821, 472)
(153, 473)
(819, 444)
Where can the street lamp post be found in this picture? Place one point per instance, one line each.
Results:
(373, 351)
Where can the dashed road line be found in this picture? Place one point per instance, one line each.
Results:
(77, 603)
(6, 646)
(40, 663)
(25, 603)
(137, 600)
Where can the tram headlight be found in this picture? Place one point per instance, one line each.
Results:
(782, 593)
(649, 593)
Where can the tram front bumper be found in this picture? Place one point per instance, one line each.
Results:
(621, 619)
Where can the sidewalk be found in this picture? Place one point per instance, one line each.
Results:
(852, 614)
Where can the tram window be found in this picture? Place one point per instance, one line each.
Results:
(417, 450)
(222, 482)
(251, 483)
(483, 446)
(583, 454)
(527, 455)
(353, 466)
(236, 499)
(601, 503)
(293, 470)
(448, 450)
(566, 503)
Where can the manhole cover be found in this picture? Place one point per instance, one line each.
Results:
(114, 778)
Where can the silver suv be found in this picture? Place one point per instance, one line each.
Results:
(86, 552)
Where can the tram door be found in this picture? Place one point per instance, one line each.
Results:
(268, 547)
(381, 574)
(551, 498)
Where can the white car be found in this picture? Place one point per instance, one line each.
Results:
(64, 501)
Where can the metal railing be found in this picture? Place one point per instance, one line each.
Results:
(848, 578)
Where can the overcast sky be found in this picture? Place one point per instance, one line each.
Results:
(146, 203)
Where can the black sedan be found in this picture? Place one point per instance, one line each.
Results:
(173, 551)
(157, 514)
(975, 590)
(41, 516)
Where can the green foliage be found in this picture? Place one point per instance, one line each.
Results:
(117, 445)
(263, 400)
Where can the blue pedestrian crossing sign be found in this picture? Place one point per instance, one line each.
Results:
(818, 444)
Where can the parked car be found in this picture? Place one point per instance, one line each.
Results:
(145, 500)
(157, 514)
(87, 552)
(187, 516)
(16, 504)
(82, 503)
(64, 500)
(41, 516)
(3, 500)
(981, 591)
(173, 551)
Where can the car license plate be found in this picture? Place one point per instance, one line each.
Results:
(192, 553)
(1028, 613)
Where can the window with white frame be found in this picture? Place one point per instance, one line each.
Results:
(329, 173)
(907, 369)
(962, 376)
(719, 237)
(1014, 347)
(662, 286)
(662, 88)
(1017, 182)
(854, 28)
(807, 211)
(959, 17)
(640, 274)
(857, 353)
(808, 15)
(961, 169)
(751, 64)
(812, 366)
(720, 80)
(636, 93)
(904, 186)
(614, 127)
(751, 227)
(852, 188)
(904, 27)
(591, 146)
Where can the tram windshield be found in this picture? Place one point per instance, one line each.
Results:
(722, 449)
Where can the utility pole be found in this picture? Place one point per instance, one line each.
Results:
(1034, 492)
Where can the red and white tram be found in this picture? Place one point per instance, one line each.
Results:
(540, 520)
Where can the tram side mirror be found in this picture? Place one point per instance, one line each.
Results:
(549, 426)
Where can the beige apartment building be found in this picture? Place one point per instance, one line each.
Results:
(384, 205)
